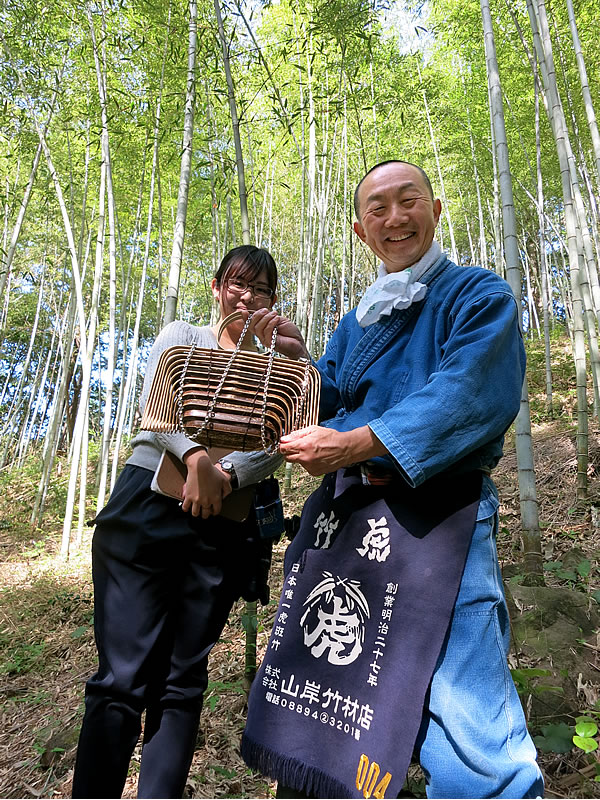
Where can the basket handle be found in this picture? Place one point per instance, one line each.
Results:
(233, 317)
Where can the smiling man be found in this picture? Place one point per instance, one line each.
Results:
(395, 559)
(396, 213)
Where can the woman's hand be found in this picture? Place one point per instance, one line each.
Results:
(289, 339)
(206, 485)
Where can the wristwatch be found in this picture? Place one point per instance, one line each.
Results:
(228, 467)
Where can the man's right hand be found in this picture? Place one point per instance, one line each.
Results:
(205, 487)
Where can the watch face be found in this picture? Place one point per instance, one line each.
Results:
(226, 465)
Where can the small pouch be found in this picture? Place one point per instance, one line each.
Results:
(269, 509)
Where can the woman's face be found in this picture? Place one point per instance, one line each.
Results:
(237, 293)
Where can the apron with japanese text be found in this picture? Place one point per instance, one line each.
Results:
(370, 583)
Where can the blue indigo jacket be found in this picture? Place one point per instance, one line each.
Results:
(439, 383)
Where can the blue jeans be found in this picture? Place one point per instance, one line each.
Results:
(473, 740)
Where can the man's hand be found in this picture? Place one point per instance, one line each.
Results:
(321, 450)
(206, 485)
(289, 339)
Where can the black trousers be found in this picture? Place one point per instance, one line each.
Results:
(164, 584)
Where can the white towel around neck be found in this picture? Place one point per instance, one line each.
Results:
(395, 290)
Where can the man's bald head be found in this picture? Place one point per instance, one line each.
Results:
(383, 164)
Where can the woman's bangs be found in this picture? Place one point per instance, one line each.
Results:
(242, 268)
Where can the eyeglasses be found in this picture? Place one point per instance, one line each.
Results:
(260, 290)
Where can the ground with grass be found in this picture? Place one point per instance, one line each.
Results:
(47, 649)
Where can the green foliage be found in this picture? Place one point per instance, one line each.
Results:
(216, 689)
(576, 577)
(34, 611)
(555, 738)
(563, 377)
(226, 773)
(585, 736)
(526, 680)
(20, 658)
(560, 737)
(586, 731)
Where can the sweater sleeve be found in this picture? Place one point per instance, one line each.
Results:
(173, 334)
(255, 466)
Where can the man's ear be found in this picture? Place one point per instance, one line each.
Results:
(437, 209)
(359, 231)
(273, 300)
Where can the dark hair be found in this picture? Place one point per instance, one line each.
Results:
(247, 261)
(382, 164)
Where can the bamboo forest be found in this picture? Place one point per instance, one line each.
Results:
(139, 142)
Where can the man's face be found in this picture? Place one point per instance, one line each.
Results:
(397, 215)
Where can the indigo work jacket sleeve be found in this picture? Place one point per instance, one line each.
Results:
(438, 383)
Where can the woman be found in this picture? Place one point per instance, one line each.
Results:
(166, 576)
